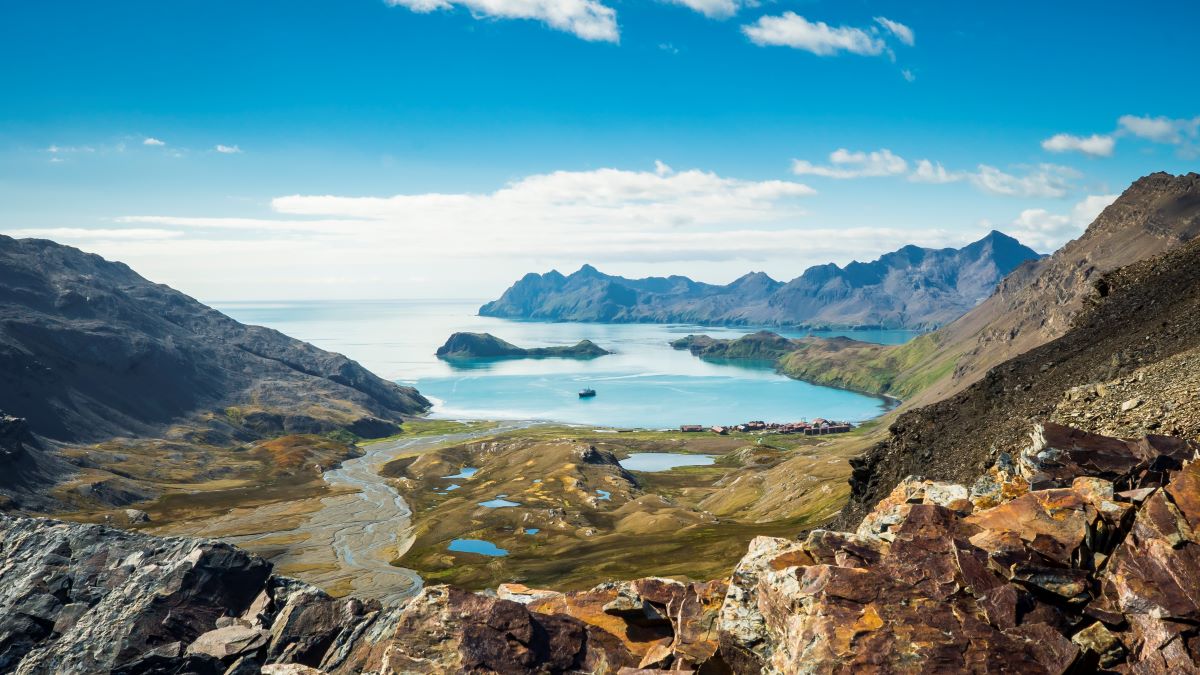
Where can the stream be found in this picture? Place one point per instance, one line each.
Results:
(352, 539)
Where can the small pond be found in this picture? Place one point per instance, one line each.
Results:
(650, 462)
(479, 546)
(498, 503)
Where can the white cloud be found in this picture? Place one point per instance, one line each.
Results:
(934, 172)
(903, 33)
(1096, 145)
(1160, 129)
(227, 149)
(1044, 180)
(540, 211)
(550, 219)
(716, 9)
(847, 164)
(68, 149)
(792, 30)
(603, 198)
(1046, 231)
(153, 141)
(908, 75)
(80, 234)
(587, 19)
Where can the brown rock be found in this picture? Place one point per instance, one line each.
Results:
(1100, 644)
(522, 593)
(449, 630)
(611, 625)
(1153, 577)
(746, 644)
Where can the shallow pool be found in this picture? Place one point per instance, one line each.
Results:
(479, 546)
(498, 503)
(650, 462)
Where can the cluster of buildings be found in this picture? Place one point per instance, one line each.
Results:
(817, 427)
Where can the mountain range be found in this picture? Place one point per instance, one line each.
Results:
(912, 288)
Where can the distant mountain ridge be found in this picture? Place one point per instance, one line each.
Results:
(913, 287)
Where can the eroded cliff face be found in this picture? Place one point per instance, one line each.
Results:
(1079, 552)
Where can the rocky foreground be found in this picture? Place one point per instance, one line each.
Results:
(1081, 552)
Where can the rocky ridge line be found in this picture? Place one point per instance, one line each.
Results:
(912, 287)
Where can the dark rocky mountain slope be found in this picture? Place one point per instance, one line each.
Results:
(913, 287)
(90, 350)
(1133, 318)
(117, 390)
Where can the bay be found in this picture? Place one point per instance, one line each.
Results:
(644, 384)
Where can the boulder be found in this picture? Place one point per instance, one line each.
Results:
(445, 630)
(86, 598)
(229, 641)
(1153, 578)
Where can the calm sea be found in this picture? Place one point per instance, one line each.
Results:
(644, 384)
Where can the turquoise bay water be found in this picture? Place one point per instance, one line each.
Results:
(644, 384)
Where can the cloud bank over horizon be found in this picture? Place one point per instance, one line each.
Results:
(703, 224)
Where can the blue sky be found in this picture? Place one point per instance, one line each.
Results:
(439, 148)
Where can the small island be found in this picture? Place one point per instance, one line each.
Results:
(488, 346)
(763, 345)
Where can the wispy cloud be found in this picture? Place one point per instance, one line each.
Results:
(1161, 129)
(153, 141)
(587, 19)
(1046, 231)
(55, 149)
(227, 149)
(903, 33)
(1184, 133)
(933, 172)
(846, 164)
(77, 234)
(1043, 180)
(660, 213)
(792, 30)
(1096, 145)
(715, 9)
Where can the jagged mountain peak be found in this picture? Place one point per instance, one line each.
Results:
(912, 287)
